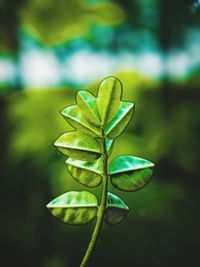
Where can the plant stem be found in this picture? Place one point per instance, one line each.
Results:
(101, 208)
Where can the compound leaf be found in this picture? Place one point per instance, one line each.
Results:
(78, 145)
(85, 172)
(130, 173)
(116, 209)
(108, 100)
(117, 125)
(75, 117)
(87, 104)
(74, 207)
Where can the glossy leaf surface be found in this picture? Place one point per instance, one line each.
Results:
(109, 146)
(121, 119)
(108, 100)
(88, 106)
(74, 207)
(74, 116)
(130, 173)
(78, 145)
(116, 209)
(85, 172)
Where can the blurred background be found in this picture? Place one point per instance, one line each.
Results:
(50, 49)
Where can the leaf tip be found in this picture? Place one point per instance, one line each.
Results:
(48, 205)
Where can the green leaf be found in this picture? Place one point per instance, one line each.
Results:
(117, 125)
(85, 172)
(109, 146)
(130, 173)
(78, 145)
(116, 209)
(74, 116)
(108, 100)
(74, 207)
(87, 104)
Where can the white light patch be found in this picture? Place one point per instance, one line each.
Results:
(84, 66)
(39, 68)
(125, 61)
(178, 64)
(149, 64)
(7, 70)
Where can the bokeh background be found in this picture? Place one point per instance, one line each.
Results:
(50, 49)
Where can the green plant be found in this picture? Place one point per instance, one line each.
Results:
(97, 122)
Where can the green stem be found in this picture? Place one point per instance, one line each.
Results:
(101, 208)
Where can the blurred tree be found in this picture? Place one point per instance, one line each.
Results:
(56, 22)
(9, 25)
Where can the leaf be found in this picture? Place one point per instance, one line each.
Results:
(116, 209)
(78, 145)
(108, 100)
(74, 207)
(87, 104)
(85, 172)
(130, 173)
(117, 125)
(109, 146)
(74, 117)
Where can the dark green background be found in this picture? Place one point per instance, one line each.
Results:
(162, 228)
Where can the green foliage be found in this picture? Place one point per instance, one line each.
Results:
(130, 173)
(116, 209)
(85, 172)
(75, 117)
(88, 105)
(122, 117)
(54, 22)
(74, 207)
(108, 101)
(97, 122)
(78, 145)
